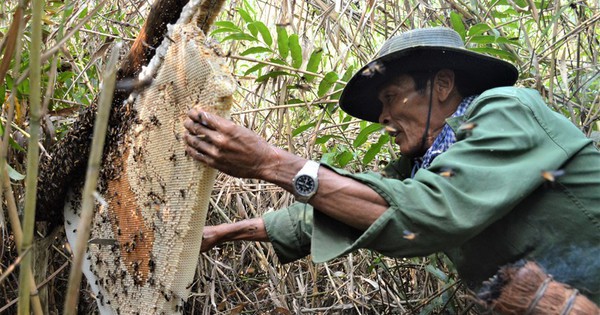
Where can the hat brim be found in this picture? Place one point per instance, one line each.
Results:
(359, 97)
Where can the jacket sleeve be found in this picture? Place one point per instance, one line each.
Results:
(494, 167)
(289, 231)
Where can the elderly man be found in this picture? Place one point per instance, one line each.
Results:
(488, 174)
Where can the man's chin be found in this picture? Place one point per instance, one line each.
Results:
(412, 153)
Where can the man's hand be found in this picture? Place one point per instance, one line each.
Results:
(230, 148)
(210, 238)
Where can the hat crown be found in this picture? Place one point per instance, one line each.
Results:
(434, 37)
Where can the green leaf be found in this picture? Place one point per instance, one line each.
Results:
(344, 158)
(328, 158)
(478, 29)
(239, 36)
(277, 61)
(264, 32)
(313, 63)
(13, 174)
(338, 86)
(63, 76)
(256, 50)
(375, 149)
(282, 42)
(245, 16)
(227, 24)
(457, 24)
(271, 74)
(323, 139)
(221, 30)
(436, 272)
(253, 29)
(296, 51)
(302, 128)
(364, 134)
(490, 39)
(83, 13)
(494, 51)
(9, 82)
(327, 82)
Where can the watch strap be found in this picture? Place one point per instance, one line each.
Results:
(310, 168)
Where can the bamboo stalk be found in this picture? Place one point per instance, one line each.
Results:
(91, 181)
(32, 157)
(13, 217)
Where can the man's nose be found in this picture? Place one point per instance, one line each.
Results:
(384, 117)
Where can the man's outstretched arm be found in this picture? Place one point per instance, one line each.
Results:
(289, 230)
(239, 152)
(245, 230)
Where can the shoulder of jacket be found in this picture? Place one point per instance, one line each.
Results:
(524, 96)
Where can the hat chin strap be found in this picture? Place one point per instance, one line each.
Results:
(424, 138)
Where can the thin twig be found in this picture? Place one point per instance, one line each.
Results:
(14, 265)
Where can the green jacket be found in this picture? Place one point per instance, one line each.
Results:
(496, 208)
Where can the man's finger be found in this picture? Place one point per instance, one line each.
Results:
(196, 141)
(201, 117)
(198, 130)
(198, 156)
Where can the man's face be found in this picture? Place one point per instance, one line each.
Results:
(405, 110)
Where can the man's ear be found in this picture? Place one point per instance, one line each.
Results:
(443, 84)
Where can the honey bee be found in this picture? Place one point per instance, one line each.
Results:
(447, 172)
(467, 126)
(390, 129)
(406, 234)
(372, 68)
(551, 176)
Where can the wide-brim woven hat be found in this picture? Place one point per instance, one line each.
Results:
(422, 50)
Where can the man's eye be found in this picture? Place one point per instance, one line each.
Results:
(390, 97)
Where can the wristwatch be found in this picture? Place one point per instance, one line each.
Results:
(306, 182)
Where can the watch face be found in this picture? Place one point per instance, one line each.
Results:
(305, 185)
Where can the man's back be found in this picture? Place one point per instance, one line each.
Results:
(558, 220)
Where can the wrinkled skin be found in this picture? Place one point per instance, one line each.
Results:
(405, 110)
(223, 145)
